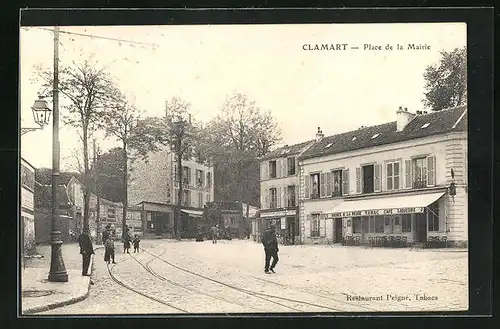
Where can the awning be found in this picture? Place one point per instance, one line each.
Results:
(193, 213)
(385, 206)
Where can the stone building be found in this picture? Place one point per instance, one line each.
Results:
(405, 179)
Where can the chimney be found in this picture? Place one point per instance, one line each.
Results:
(403, 118)
(319, 135)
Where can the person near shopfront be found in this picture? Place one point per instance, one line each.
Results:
(86, 250)
(106, 233)
(215, 233)
(109, 249)
(270, 242)
(136, 242)
(126, 240)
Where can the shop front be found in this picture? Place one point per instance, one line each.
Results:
(286, 222)
(398, 220)
(157, 219)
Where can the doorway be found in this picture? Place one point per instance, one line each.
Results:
(420, 228)
(338, 230)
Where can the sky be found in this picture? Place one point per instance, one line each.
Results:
(337, 90)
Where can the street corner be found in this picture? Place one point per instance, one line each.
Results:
(39, 294)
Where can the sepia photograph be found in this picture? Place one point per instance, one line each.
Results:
(243, 169)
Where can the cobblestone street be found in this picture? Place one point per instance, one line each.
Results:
(227, 277)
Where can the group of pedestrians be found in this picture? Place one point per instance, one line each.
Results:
(269, 241)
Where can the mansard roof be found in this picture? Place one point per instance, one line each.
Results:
(422, 125)
(287, 150)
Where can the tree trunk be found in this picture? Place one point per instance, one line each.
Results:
(86, 175)
(125, 187)
(240, 197)
(179, 194)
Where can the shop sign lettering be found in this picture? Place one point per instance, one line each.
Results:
(374, 212)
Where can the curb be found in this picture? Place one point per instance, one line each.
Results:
(74, 300)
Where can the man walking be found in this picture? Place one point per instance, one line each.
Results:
(86, 250)
(106, 233)
(270, 243)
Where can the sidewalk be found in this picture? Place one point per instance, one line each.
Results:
(38, 294)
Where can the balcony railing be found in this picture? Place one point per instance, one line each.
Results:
(272, 205)
(314, 195)
(419, 184)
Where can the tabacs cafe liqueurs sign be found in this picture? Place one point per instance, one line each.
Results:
(374, 212)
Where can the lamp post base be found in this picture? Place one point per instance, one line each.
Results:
(57, 269)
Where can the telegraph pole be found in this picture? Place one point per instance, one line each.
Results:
(98, 206)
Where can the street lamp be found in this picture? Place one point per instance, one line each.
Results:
(57, 271)
(41, 115)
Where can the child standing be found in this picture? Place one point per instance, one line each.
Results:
(136, 242)
(109, 253)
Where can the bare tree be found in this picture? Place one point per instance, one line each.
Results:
(236, 139)
(89, 92)
(137, 136)
(180, 135)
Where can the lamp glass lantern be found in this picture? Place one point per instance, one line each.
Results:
(41, 112)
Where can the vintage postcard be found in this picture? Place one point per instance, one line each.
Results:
(267, 168)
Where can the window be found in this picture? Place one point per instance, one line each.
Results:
(186, 175)
(272, 169)
(392, 170)
(388, 224)
(200, 199)
(291, 166)
(209, 179)
(371, 223)
(291, 196)
(356, 225)
(315, 225)
(379, 224)
(186, 197)
(433, 217)
(27, 178)
(315, 186)
(419, 173)
(368, 179)
(396, 220)
(199, 178)
(406, 223)
(208, 198)
(274, 198)
(337, 183)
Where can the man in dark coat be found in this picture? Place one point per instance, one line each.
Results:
(270, 243)
(86, 250)
(106, 233)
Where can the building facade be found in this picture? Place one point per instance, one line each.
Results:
(27, 207)
(404, 180)
(279, 192)
(154, 186)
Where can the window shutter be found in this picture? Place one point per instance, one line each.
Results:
(345, 182)
(266, 199)
(329, 183)
(307, 227)
(408, 174)
(285, 196)
(307, 186)
(322, 224)
(284, 171)
(431, 170)
(296, 195)
(378, 184)
(322, 188)
(297, 164)
(278, 197)
(358, 180)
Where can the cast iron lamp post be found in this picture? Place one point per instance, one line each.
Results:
(57, 271)
(41, 115)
